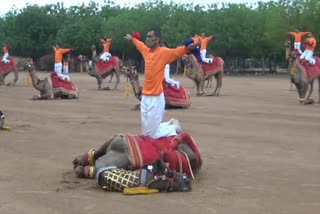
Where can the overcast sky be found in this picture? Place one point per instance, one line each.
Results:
(5, 7)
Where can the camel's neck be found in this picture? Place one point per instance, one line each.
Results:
(94, 53)
(288, 52)
(136, 87)
(34, 77)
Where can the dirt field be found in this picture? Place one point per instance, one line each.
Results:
(260, 149)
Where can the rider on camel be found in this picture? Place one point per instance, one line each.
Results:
(297, 39)
(106, 42)
(5, 57)
(58, 60)
(203, 49)
(310, 44)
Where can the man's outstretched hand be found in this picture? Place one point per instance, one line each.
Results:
(128, 37)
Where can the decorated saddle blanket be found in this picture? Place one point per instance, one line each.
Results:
(7, 67)
(145, 150)
(212, 68)
(63, 86)
(175, 96)
(106, 66)
(310, 70)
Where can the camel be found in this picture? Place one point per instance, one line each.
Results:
(99, 74)
(301, 79)
(132, 152)
(155, 177)
(47, 87)
(194, 71)
(133, 77)
(7, 68)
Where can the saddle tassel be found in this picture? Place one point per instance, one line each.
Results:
(127, 89)
(29, 80)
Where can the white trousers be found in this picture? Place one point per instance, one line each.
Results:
(105, 56)
(152, 113)
(66, 69)
(5, 58)
(308, 55)
(203, 54)
(297, 46)
(58, 70)
(168, 79)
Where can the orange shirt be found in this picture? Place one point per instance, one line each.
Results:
(5, 49)
(311, 43)
(196, 39)
(155, 62)
(59, 52)
(106, 44)
(204, 42)
(298, 36)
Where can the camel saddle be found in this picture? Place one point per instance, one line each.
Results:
(60, 85)
(6, 67)
(106, 66)
(211, 68)
(145, 150)
(310, 70)
(176, 96)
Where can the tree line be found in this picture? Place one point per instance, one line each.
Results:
(242, 31)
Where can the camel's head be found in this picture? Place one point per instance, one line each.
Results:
(2, 117)
(29, 65)
(131, 72)
(163, 176)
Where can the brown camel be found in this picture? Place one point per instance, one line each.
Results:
(301, 80)
(194, 71)
(117, 153)
(100, 75)
(7, 68)
(132, 75)
(47, 89)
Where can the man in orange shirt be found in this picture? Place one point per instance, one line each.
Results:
(297, 38)
(203, 49)
(152, 101)
(310, 44)
(5, 57)
(58, 60)
(106, 48)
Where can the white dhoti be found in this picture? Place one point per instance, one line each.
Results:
(5, 58)
(297, 46)
(308, 55)
(152, 113)
(58, 70)
(65, 69)
(105, 56)
(203, 54)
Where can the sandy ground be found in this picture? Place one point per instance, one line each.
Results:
(260, 149)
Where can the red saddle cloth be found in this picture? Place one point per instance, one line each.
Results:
(310, 70)
(106, 66)
(6, 67)
(212, 68)
(145, 150)
(176, 97)
(61, 85)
